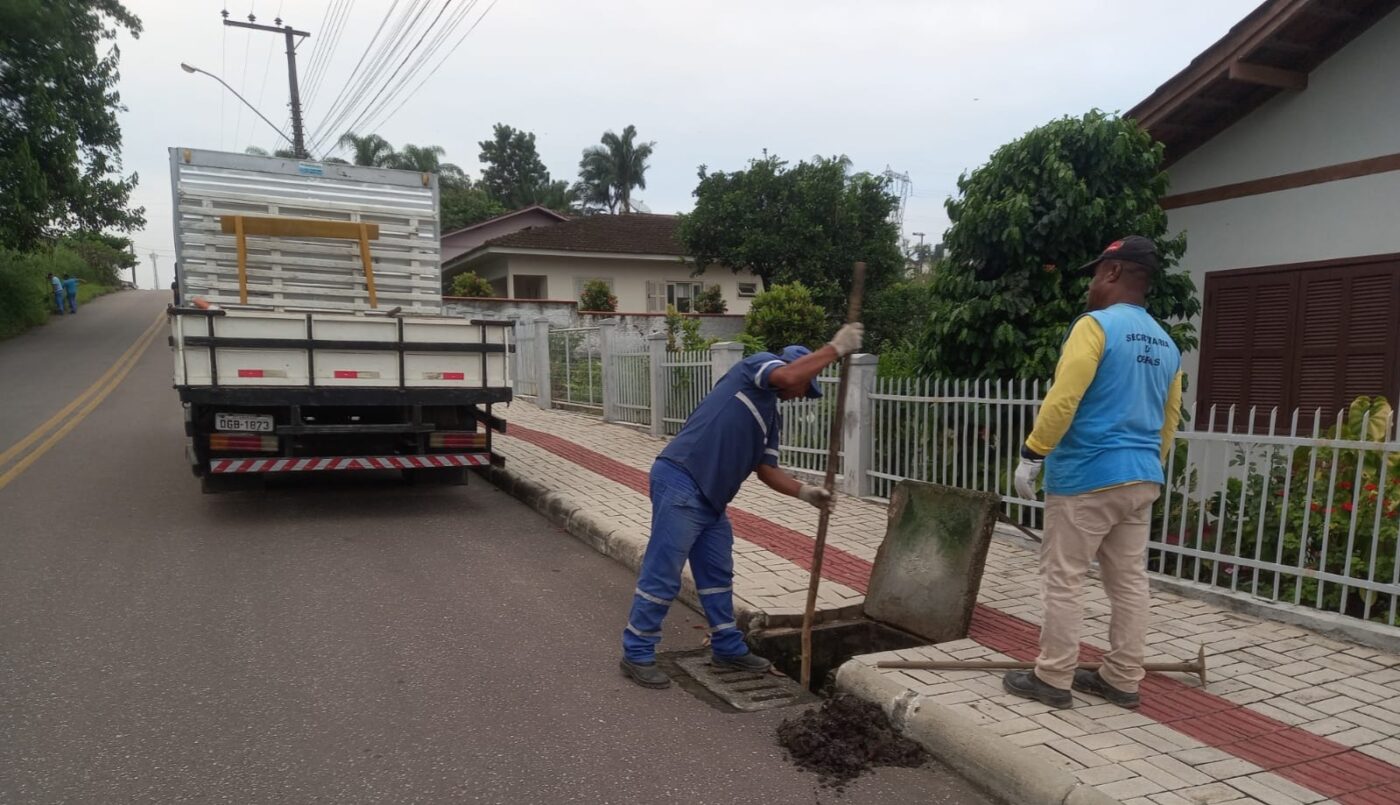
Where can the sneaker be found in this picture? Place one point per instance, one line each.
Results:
(744, 662)
(1086, 681)
(646, 674)
(1028, 686)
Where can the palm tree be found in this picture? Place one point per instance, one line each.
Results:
(427, 159)
(608, 172)
(282, 153)
(371, 149)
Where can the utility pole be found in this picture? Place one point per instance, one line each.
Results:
(298, 133)
(155, 273)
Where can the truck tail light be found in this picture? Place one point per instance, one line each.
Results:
(242, 442)
(456, 439)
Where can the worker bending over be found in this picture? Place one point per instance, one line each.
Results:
(1102, 435)
(732, 433)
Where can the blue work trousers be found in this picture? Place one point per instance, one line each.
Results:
(72, 302)
(58, 297)
(683, 526)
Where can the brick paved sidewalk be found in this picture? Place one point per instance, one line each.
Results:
(1290, 716)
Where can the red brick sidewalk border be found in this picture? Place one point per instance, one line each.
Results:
(1324, 766)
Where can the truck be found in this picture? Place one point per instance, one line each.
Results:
(307, 326)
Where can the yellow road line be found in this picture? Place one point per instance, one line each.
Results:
(131, 357)
(53, 421)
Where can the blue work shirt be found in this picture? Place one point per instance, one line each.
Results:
(733, 430)
(71, 286)
(1115, 437)
(57, 284)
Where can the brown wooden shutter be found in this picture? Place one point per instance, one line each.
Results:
(1310, 337)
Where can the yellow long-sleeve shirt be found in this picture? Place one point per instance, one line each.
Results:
(1079, 362)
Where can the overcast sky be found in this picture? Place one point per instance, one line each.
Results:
(926, 87)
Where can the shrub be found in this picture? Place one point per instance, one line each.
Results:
(688, 328)
(752, 344)
(597, 297)
(469, 283)
(711, 300)
(786, 314)
(24, 293)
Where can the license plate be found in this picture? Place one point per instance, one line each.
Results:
(248, 423)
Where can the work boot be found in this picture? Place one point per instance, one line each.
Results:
(1086, 681)
(744, 662)
(648, 675)
(1028, 686)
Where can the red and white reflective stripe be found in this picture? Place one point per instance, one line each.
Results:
(230, 465)
(354, 374)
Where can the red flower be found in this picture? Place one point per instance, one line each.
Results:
(1346, 506)
(1369, 487)
(1344, 484)
(1317, 507)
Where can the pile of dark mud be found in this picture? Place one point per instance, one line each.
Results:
(843, 739)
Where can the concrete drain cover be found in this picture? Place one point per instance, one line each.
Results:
(742, 690)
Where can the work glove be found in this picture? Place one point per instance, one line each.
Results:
(1027, 472)
(848, 339)
(816, 495)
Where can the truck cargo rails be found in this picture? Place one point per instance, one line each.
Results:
(307, 330)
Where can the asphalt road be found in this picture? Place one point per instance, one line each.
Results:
(336, 639)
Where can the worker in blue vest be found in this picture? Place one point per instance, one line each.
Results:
(732, 433)
(56, 286)
(70, 291)
(1102, 434)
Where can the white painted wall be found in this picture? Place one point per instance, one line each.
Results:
(1350, 111)
(629, 276)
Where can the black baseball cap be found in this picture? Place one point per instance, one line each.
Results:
(1132, 249)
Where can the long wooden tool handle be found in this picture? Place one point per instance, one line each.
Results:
(833, 448)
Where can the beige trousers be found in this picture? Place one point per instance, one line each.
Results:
(1111, 524)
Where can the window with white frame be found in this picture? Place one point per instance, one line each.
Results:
(747, 289)
(681, 295)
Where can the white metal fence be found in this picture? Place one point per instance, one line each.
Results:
(807, 428)
(685, 380)
(576, 368)
(1300, 509)
(525, 373)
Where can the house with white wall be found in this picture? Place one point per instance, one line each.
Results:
(637, 255)
(460, 241)
(1283, 148)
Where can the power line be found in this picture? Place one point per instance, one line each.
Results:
(317, 77)
(372, 116)
(349, 80)
(409, 55)
(316, 49)
(402, 30)
(242, 84)
(443, 60)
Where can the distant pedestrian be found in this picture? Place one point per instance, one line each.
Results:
(1101, 435)
(70, 290)
(58, 294)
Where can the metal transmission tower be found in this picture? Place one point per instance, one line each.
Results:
(901, 185)
(298, 132)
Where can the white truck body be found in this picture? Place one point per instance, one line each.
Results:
(320, 368)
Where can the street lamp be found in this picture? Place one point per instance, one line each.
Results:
(190, 69)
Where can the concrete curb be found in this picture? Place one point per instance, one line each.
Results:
(1003, 769)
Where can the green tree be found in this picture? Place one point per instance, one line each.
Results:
(60, 144)
(428, 159)
(608, 172)
(513, 174)
(465, 204)
(597, 297)
(786, 314)
(808, 223)
(711, 300)
(890, 311)
(107, 256)
(370, 150)
(1006, 292)
(470, 283)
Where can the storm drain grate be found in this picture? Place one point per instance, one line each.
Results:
(742, 690)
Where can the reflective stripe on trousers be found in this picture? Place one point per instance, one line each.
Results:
(683, 527)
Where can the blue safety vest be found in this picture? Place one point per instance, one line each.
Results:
(1115, 436)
